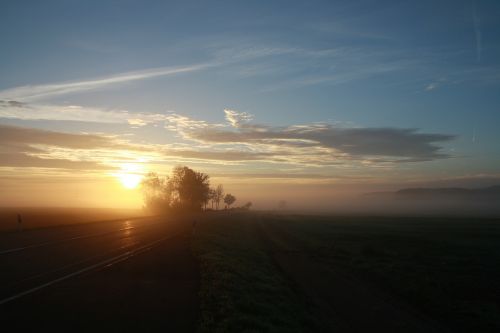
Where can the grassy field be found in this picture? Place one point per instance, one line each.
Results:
(241, 289)
(49, 217)
(446, 270)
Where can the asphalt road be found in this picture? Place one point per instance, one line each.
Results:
(123, 275)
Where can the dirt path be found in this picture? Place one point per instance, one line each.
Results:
(154, 291)
(344, 303)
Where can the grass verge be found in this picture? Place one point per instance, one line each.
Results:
(241, 290)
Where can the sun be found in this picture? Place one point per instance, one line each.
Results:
(130, 175)
(130, 180)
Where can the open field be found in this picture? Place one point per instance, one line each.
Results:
(270, 272)
(33, 217)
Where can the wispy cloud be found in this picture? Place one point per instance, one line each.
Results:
(283, 66)
(29, 147)
(12, 109)
(32, 92)
(319, 143)
(431, 86)
(24, 136)
(435, 84)
(237, 119)
(238, 140)
(21, 160)
(220, 57)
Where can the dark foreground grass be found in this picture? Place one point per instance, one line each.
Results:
(448, 269)
(241, 289)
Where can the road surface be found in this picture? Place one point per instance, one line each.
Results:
(135, 274)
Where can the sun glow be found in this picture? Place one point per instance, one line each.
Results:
(130, 181)
(130, 175)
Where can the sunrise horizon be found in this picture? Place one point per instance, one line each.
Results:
(250, 166)
(344, 103)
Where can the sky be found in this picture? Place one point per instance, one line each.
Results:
(302, 101)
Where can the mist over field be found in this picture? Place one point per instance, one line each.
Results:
(365, 199)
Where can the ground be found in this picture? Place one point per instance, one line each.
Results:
(235, 271)
(349, 274)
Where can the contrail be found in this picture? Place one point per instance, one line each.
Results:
(44, 90)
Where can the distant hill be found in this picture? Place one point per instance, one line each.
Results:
(487, 194)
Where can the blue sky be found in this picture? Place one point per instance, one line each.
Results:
(387, 91)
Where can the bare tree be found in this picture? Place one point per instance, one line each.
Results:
(211, 197)
(219, 195)
(156, 192)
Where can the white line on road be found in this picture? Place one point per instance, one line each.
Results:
(18, 249)
(105, 263)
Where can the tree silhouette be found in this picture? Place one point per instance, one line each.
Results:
(186, 189)
(211, 197)
(219, 195)
(191, 187)
(156, 192)
(229, 199)
(247, 205)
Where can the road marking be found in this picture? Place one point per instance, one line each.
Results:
(104, 263)
(55, 270)
(18, 249)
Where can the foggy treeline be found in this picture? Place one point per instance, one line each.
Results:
(184, 190)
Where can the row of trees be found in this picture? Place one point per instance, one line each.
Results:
(184, 189)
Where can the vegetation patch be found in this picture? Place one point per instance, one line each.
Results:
(241, 289)
(446, 268)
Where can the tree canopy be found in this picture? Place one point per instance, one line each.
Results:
(229, 199)
(185, 189)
